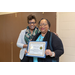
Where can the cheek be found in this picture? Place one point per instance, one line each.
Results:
(46, 29)
(32, 25)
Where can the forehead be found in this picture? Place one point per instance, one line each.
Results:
(43, 21)
(33, 20)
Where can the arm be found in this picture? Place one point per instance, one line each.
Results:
(57, 45)
(20, 41)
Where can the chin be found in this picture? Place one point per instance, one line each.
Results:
(32, 28)
(43, 32)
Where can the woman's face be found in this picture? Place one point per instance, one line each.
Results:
(32, 24)
(43, 26)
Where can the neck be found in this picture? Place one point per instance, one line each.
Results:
(31, 31)
(43, 34)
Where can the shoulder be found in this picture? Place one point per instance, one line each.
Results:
(23, 31)
(54, 36)
(56, 39)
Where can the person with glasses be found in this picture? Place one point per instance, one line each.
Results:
(54, 44)
(25, 36)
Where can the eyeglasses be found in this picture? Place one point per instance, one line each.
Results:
(31, 22)
(42, 24)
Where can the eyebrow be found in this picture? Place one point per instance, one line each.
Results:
(43, 23)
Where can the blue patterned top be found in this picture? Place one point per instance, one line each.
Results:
(40, 38)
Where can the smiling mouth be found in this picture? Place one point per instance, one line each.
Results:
(42, 28)
(32, 27)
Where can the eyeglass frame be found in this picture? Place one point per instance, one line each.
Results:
(31, 22)
(43, 24)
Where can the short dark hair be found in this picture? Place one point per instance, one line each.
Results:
(30, 17)
(49, 24)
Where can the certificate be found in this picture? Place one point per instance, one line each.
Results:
(36, 49)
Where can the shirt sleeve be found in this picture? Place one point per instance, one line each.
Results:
(20, 41)
(57, 45)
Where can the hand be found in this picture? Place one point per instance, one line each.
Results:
(26, 51)
(55, 33)
(25, 46)
(31, 40)
(48, 52)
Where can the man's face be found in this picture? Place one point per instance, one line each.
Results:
(32, 24)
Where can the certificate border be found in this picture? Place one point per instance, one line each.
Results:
(37, 56)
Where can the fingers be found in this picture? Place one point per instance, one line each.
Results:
(48, 52)
(25, 46)
(26, 51)
(31, 40)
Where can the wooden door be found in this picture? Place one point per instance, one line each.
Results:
(51, 16)
(5, 38)
(21, 21)
(2, 39)
(9, 26)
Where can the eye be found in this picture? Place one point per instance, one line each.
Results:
(31, 22)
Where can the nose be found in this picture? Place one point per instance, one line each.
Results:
(31, 23)
(42, 25)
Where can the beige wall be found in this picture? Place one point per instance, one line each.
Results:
(66, 31)
(2, 13)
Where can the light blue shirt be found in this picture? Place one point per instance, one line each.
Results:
(40, 38)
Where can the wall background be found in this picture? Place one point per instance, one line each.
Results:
(65, 27)
(3, 13)
(11, 25)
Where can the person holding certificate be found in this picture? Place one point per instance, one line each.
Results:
(54, 47)
(25, 36)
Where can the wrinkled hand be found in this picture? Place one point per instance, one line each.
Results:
(48, 52)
